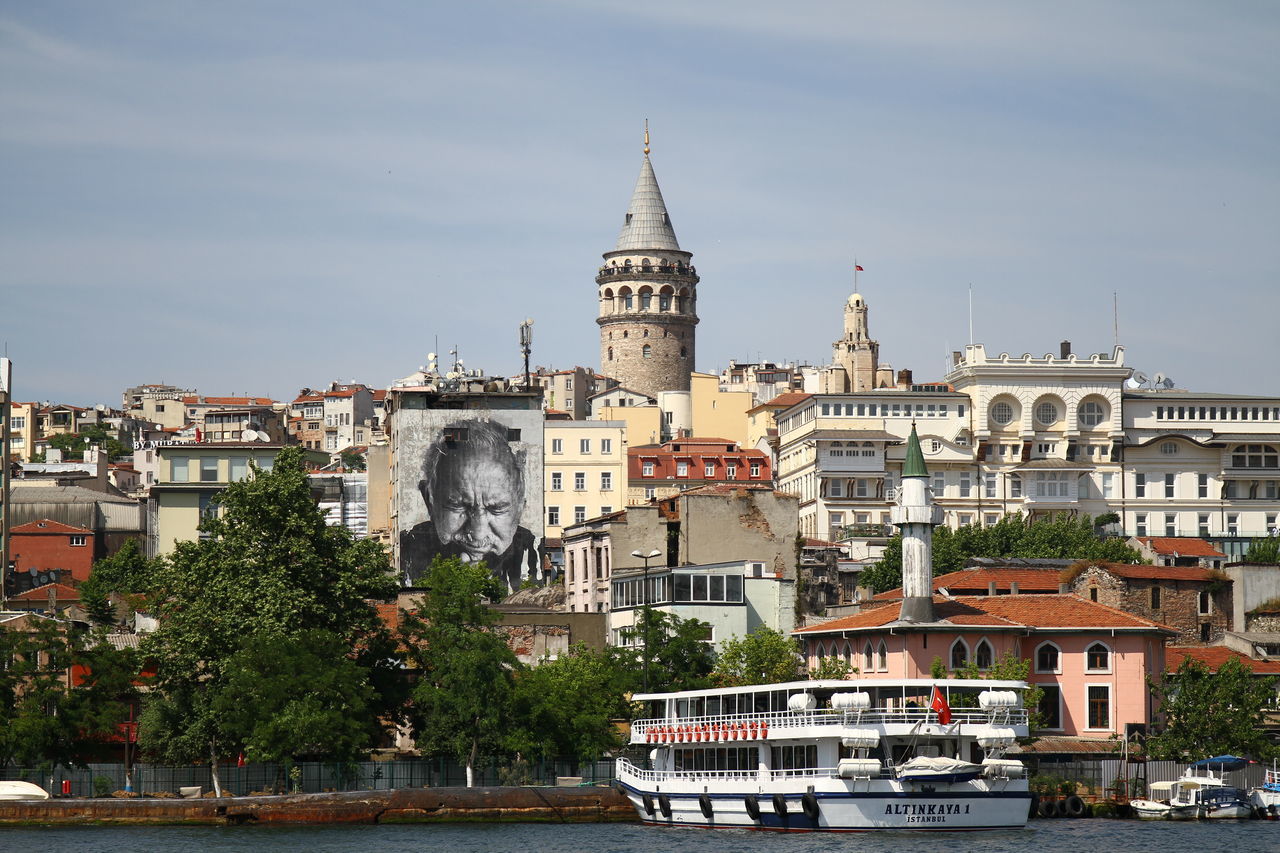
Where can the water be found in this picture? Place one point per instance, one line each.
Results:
(1077, 836)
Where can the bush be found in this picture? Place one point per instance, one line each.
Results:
(101, 786)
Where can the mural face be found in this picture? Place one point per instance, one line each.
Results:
(469, 486)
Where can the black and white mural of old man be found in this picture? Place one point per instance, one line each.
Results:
(480, 490)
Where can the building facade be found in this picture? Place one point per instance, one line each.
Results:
(662, 470)
(585, 470)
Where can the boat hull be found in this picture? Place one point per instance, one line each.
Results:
(840, 808)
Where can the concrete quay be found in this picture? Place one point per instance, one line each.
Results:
(403, 805)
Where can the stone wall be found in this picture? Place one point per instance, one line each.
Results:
(1179, 603)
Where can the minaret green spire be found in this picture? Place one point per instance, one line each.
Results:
(913, 465)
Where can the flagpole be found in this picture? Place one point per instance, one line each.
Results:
(970, 313)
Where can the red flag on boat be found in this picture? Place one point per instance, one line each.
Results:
(857, 268)
(939, 704)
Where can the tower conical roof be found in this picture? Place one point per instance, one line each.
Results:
(913, 465)
(647, 225)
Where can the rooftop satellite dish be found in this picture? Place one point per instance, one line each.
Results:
(262, 435)
(1167, 383)
(248, 435)
(44, 578)
(1132, 383)
(431, 356)
(1140, 377)
(1158, 379)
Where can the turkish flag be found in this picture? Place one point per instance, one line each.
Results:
(858, 268)
(240, 758)
(939, 704)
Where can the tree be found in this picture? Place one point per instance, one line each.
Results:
(296, 696)
(1207, 713)
(353, 461)
(1010, 667)
(61, 693)
(126, 572)
(1264, 550)
(268, 567)
(566, 707)
(460, 705)
(764, 656)
(1012, 536)
(832, 668)
(670, 653)
(73, 445)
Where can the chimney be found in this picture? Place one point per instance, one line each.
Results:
(1064, 350)
(904, 379)
(1064, 589)
(1013, 587)
(956, 357)
(991, 588)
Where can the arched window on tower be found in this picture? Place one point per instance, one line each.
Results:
(610, 354)
(645, 266)
(646, 298)
(664, 302)
(684, 353)
(646, 351)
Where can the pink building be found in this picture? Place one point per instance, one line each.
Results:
(1091, 660)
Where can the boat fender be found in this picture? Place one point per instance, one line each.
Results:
(664, 805)
(704, 803)
(648, 805)
(1048, 808)
(753, 806)
(809, 802)
(780, 806)
(1073, 806)
(1035, 805)
(764, 729)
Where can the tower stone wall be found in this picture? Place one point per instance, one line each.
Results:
(647, 292)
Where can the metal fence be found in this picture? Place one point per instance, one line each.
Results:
(1099, 775)
(313, 777)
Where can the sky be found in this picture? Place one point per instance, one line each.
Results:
(253, 197)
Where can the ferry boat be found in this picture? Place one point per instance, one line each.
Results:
(853, 755)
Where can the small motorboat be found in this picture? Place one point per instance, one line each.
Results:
(22, 791)
(1266, 797)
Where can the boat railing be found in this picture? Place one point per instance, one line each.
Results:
(627, 768)
(793, 720)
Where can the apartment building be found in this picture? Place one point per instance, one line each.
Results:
(585, 466)
(663, 470)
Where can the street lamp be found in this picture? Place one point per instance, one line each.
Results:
(645, 618)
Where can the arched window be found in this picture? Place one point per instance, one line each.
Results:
(645, 299)
(646, 351)
(1097, 658)
(867, 659)
(983, 656)
(610, 353)
(684, 353)
(1048, 657)
(1092, 413)
(1002, 414)
(959, 654)
(882, 657)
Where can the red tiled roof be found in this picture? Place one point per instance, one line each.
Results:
(820, 543)
(47, 525)
(1163, 573)
(41, 593)
(980, 579)
(1215, 656)
(788, 399)
(379, 393)
(1033, 611)
(1186, 546)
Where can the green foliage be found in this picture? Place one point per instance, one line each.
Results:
(269, 571)
(297, 696)
(938, 668)
(670, 653)
(1062, 538)
(1264, 550)
(461, 704)
(1010, 667)
(1207, 713)
(125, 572)
(832, 668)
(1106, 518)
(353, 461)
(566, 707)
(47, 717)
(764, 656)
(73, 445)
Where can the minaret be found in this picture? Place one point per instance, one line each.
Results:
(916, 515)
(648, 296)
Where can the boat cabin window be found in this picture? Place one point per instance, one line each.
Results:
(716, 759)
(797, 757)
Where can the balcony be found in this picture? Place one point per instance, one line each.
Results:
(634, 273)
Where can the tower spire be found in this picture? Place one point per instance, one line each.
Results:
(646, 137)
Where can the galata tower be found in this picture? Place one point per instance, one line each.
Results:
(648, 292)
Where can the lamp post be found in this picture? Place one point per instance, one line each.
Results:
(645, 610)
